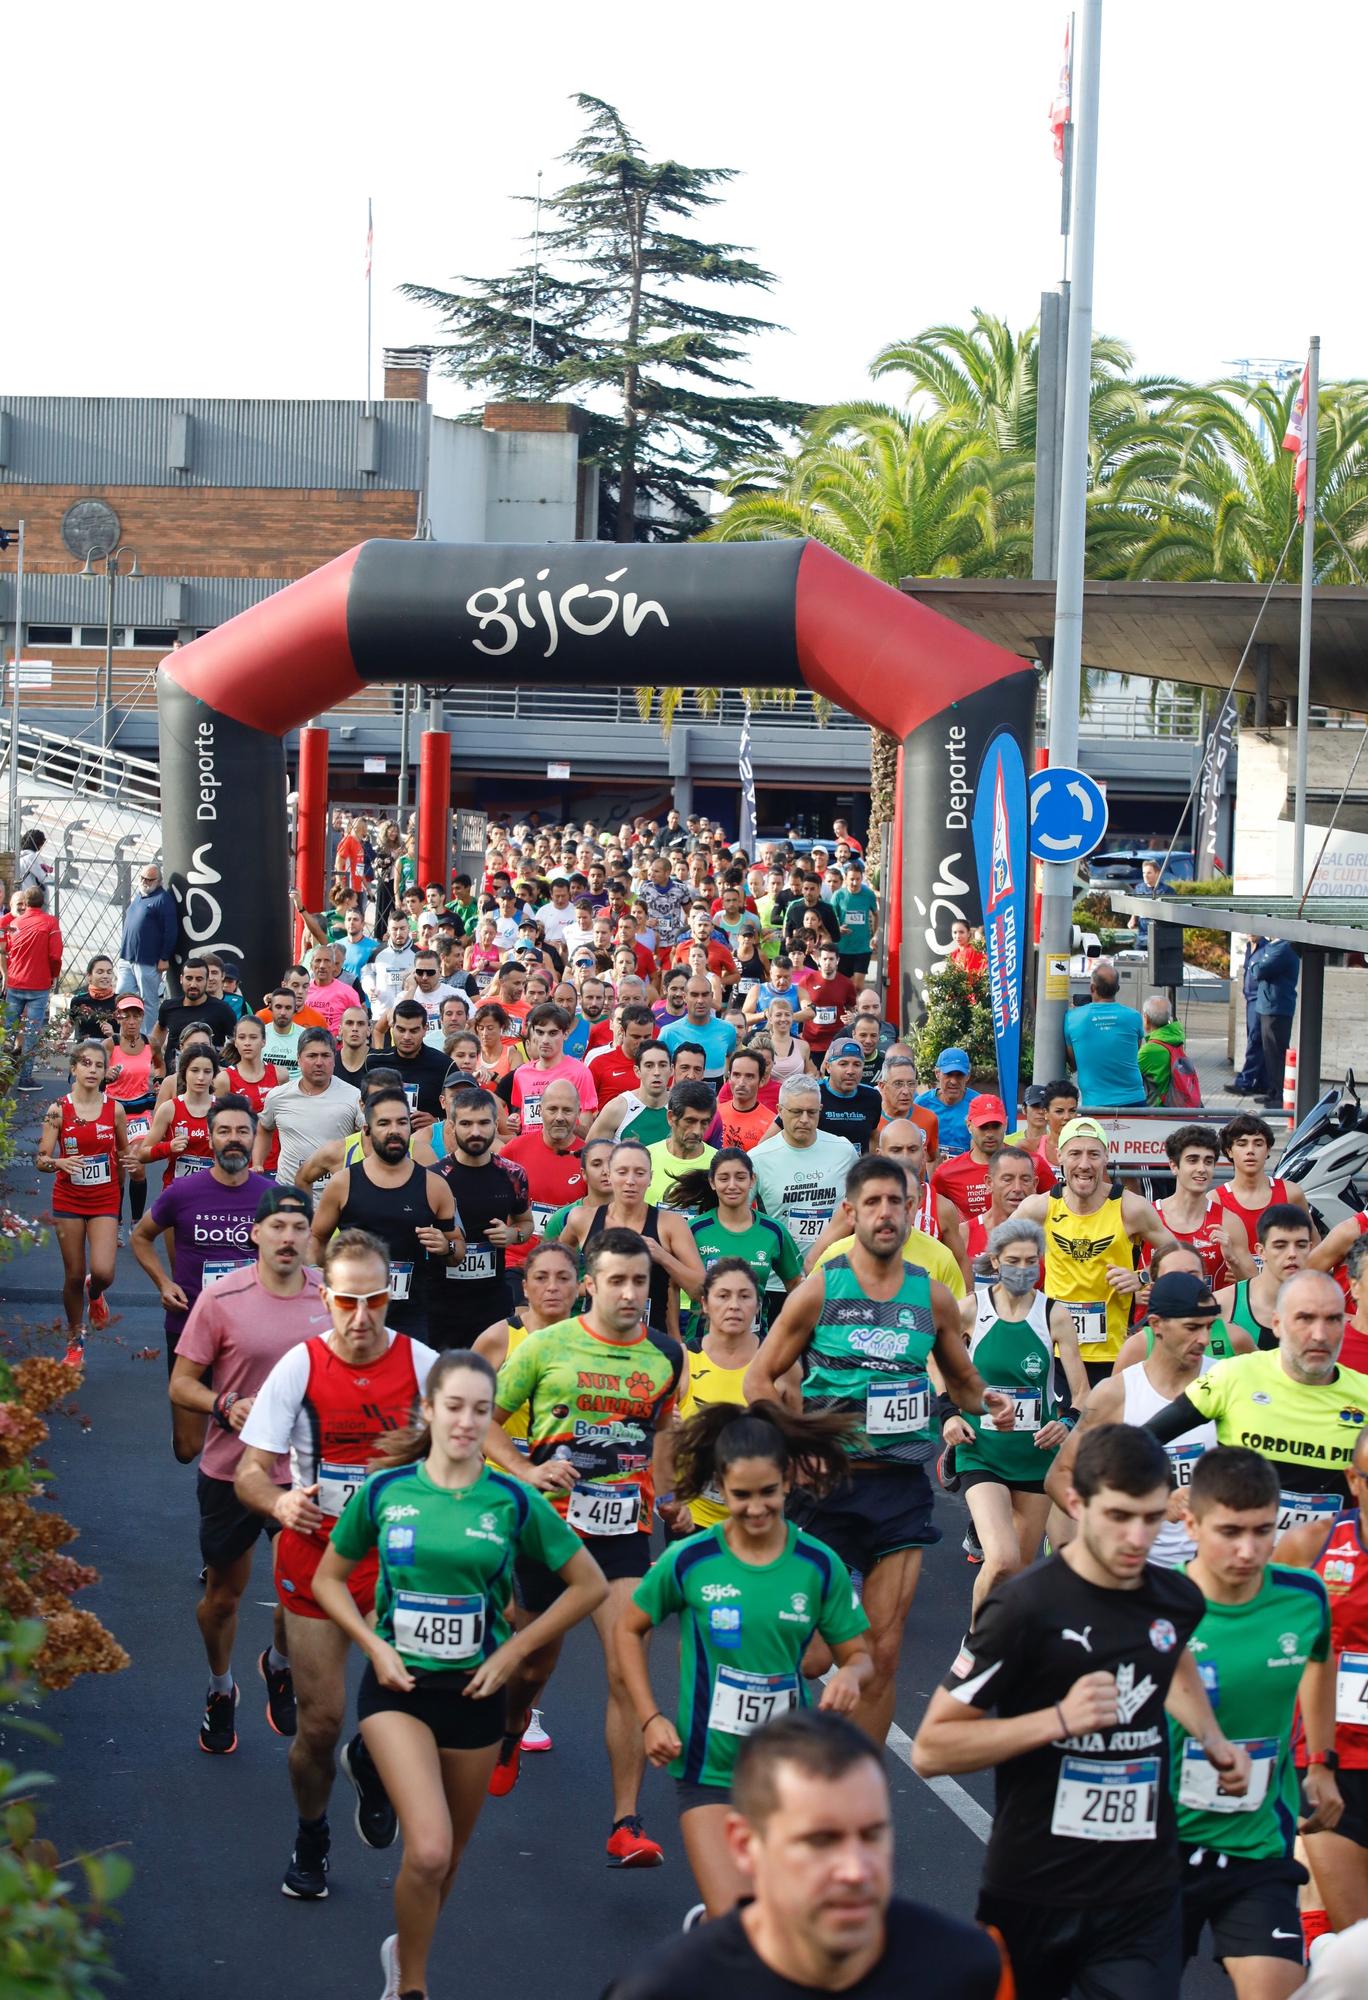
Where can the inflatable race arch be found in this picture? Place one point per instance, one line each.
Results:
(578, 614)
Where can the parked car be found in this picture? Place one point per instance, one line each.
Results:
(1119, 867)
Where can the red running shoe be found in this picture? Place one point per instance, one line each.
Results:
(504, 1776)
(629, 1847)
(99, 1308)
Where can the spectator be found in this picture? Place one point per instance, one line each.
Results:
(35, 870)
(33, 966)
(965, 953)
(150, 930)
(1249, 1077)
(1147, 886)
(1164, 1038)
(1275, 968)
(1103, 1040)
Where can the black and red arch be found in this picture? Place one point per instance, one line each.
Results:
(578, 614)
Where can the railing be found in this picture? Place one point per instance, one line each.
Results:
(70, 764)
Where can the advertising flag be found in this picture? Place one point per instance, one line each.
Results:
(746, 832)
(1000, 826)
(1061, 104)
(1211, 785)
(1295, 438)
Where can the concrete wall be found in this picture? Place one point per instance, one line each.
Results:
(502, 486)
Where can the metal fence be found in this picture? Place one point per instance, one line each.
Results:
(96, 847)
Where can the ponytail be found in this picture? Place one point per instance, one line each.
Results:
(691, 1190)
(812, 1447)
(414, 1441)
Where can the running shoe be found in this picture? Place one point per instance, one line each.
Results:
(945, 1470)
(218, 1731)
(98, 1308)
(629, 1846)
(534, 1737)
(389, 1965)
(972, 1546)
(75, 1354)
(504, 1776)
(375, 1816)
(694, 1917)
(280, 1695)
(306, 1878)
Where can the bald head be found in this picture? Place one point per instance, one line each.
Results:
(903, 1139)
(1309, 1322)
(559, 1104)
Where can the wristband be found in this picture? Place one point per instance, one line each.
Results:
(651, 1718)
(223, 1403)
(1063, 1725)
(161, 1151)
(1066, 1417)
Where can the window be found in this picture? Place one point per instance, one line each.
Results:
(92, 635)
(48, 635)
(162, 636)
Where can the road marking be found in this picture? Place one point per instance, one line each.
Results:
(966, 1809)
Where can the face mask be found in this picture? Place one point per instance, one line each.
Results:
(1018, 1279)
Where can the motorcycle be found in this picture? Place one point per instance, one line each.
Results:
(1327, 1155)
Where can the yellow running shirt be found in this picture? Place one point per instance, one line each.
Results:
(1308, 1430)
(919, 1248)
(1078, 1249)
(516, 1427)
(710, 1384)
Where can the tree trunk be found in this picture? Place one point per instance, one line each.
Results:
(883, 781)
(627, 477)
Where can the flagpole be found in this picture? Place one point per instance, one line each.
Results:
(370, 238)
(1304, 650)
(1066, 672)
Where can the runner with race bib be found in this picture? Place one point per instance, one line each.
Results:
(800, 1174)
(84, 1145)
(750, 1593)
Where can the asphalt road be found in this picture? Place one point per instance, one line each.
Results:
(210, 1837)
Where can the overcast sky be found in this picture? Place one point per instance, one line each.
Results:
(185, 186)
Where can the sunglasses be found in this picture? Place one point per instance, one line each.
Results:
(349, 1301)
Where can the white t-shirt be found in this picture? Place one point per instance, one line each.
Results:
(384, 977)
(306, 1122)
(556, 921)
(801, 1185)
(278, 1420)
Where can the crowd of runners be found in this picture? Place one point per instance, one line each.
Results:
(579, 1244)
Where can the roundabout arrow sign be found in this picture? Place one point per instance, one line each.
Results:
(1068, 814)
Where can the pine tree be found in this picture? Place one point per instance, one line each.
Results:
(619, 325)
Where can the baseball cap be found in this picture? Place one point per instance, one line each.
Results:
(1036, 1097)
(127, 1000)
(985, 1110)
(953, 1061)
(1181, 1295)
(847, 1048)
(1083, 1128)
(460, 1079)
(277, 1199)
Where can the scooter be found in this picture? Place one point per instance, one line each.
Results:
(1327, 1155)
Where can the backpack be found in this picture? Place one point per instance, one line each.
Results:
(1184, 1085)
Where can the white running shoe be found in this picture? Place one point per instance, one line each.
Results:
(389, 1965)
(694, 1917)
(534, 1737)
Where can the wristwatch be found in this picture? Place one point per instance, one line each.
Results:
(1329, 1758)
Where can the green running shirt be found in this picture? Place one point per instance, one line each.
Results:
(1250, 1657)
(446, 1559)
(766, 1246)
(740, 1619)
(1018, 1356)
(868, 1357)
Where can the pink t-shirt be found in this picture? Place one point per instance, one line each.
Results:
(332, 1002)
(240, 1330)
(529, 1082)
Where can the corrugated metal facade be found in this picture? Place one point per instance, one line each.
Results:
(97, 441)
(68, 598)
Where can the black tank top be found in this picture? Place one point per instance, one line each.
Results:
(660, 1278)
(395, 1215)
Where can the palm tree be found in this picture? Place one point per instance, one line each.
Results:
(1204, 489)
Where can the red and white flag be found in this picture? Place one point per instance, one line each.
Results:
(1295, 438)
(1061, 107)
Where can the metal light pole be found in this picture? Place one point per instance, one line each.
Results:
(18, 535)
(1056, 919)
(1308, 580)
(109, 558)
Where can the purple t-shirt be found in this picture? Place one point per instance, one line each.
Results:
(210, 1227)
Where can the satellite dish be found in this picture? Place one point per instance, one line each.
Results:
(90, 527)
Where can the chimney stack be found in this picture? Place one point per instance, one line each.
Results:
(406, 374)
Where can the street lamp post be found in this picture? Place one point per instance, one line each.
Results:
(108, 560)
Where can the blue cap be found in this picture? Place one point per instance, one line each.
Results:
(953, 1061)
(848, 1048)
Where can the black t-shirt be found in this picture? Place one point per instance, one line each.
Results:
(797, 911)
(423, 1074)
(176, 1015)
(475, 1292)
(88, 1011)
(855, 1117)
(1034, 1638)
(926, 1955)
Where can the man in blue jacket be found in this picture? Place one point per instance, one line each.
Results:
(1275, 966)
(151, 927)
(1250, 1080)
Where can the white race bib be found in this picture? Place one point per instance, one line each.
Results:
(807, 1224)
(336, 1484)
(478, 1262)
(411, 1093)
(189, 1163)
(429, 1627)
(1351, 1689)
(401, 1281)
(1296, 1509)
(823, 1017)
(1090, 1324)
(1182, 1458)
(92, 1171)
(531, 1114)
(137, 1124)
(1026, 1407)
(743, 1703)
(220, 1267)
(604, 1510)
(1114, 1800)
(1199, 1780)
(897, 1408)
(542, 1212)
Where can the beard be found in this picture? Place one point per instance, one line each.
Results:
(233, 1158)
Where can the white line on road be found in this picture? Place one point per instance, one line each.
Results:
(966, 1809)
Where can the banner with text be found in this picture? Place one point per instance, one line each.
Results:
(1000, 824)
(1220, 740)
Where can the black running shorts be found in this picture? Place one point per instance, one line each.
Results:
(1105, 1951)
(439, 1701)
(227, 1528)
(872, 1515)
(1250, 1905)
(616, 1555)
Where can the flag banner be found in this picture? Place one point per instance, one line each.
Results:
(746, 830)
(1001, 821)
(370, 236)
(1220, 741)
(1295, 438)
(1061, 106)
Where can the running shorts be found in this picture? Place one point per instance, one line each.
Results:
(1353, 1787)
(616, 1555)
(872, 1515)
(1250, 1905)
(1102, 1951)
(688, 1794)
(440, 1703)
(979, 1475)
(227, 1529)
(298, 1556)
